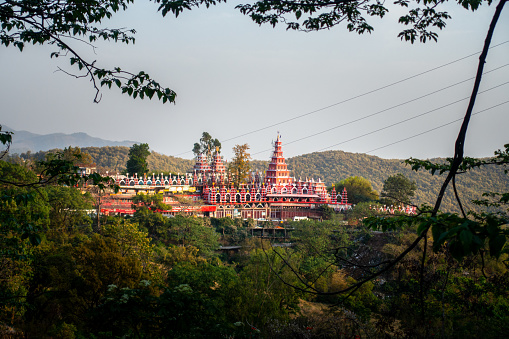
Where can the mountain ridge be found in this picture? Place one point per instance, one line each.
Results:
(24, 141)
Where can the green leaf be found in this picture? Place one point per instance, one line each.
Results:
(466, 240)
(496, 245)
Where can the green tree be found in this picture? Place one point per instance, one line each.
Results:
(147, 216)
(137, 162)
(68, 213)
(398, 189)
(207, 145)
(358, 189)
(239, 165)
(69, 26)
(76, 156)
(185, 231)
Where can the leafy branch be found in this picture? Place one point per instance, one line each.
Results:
(55, 22)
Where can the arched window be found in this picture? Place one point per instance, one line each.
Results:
(218, 197)
(237, 198)
(248, 197)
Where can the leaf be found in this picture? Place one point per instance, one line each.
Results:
(496, 245)
(466, 240)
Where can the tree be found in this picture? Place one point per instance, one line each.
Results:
(206, 145)
(398, 189)
(69, 24)
(358, 189)
(137, 162)
(76, 156)
(239, 165)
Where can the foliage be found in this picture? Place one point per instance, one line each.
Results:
(137, 162)
(233, 231)
(397, 190)
(6, 140)
(114, 158)
(69, 208)
(186, 231)
(132, 242)
(239, 165)
(358, 189)
(207, 145)
(422, 18)
(464, 234)
(363, 210)
(332, 166)
(66, 25)
(266, 298)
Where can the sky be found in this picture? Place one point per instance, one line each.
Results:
(242, 83)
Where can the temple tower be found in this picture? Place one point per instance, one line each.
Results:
(202, 165)
(217, 163)
(277, 173)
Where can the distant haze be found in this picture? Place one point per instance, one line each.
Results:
(24, 141)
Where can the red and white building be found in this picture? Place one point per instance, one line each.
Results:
(275, 196)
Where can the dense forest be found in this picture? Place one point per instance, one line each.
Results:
(330, 167)
(64, 274)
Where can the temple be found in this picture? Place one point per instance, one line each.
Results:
(209, 191)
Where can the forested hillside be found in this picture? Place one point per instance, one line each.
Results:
(115, 158)
(332, 166)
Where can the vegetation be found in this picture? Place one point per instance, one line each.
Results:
(67, 27)
(239, 166)
(151, 276)
(137, 162)
(434, 274)
(398, 190)
(358, 190)
(207, 145)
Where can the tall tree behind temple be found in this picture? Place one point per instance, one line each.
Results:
(137, 162)
(239, 166)
(398, 189)
(358, 189)
(207, 145)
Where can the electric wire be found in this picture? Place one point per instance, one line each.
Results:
(435, 128)
(385, 110)
(412, 118)
(352, 98)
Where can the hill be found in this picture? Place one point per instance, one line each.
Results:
(332, 166)
(25, 141)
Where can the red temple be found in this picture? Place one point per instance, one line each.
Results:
(276, 196)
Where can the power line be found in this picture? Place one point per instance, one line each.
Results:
(387, 109)
(384, 110)
(412, 118)
(360, 95)
(351, 98)
(438, 127)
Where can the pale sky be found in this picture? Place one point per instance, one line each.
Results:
(233, 77)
